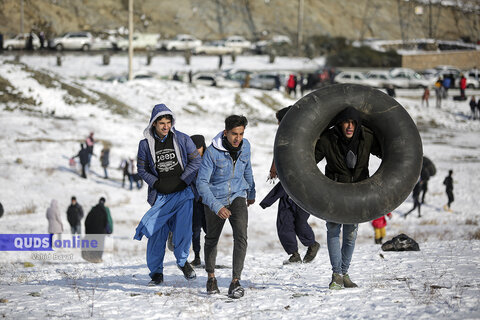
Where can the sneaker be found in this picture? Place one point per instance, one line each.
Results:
(378, 241)
(347, 282)
(156, 279)
(311, 252)
(188, 271)
(294, 258)
(336, 283)
(212, 286)
(170, 245)
(196, 262)
(235, 291)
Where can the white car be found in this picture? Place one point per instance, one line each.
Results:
(181, 42)
(409, 78)
(73, 41)
(354, 77)
(265, 80)
(238, 42)
(216, 48)
(140, 41)
(20, 42)
(379, 78)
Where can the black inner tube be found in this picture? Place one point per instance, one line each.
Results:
(348, 202)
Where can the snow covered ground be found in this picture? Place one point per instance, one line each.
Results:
(47, 111)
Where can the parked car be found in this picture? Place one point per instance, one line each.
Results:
(20, 42)
(471, 81)
(216, 48)
(73, 41)
(379, 78)
(214, 80)
(238, 42)
(181, 42)
(354, 77)
(237, 75)
(265, 80)
(140, 41)
(409, 78)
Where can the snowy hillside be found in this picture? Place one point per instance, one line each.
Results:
(46, 111)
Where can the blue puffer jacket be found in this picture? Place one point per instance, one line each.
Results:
(187, 153)
(219, 181)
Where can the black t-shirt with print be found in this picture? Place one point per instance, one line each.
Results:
(166, 159)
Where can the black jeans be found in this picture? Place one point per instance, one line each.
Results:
(197, 225)
(239, 222)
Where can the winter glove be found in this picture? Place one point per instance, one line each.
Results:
(169, 185)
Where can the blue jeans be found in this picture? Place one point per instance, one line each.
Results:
(76, 229)
(340, 257)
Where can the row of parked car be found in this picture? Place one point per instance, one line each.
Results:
(406, 78)
(142, 41)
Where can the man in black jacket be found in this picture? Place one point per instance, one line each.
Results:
(74, 216)
(448, 182)
(95, 229)
(347, 147)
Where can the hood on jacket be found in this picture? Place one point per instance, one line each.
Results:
(158, 110)
(217, 142)
(349, 113)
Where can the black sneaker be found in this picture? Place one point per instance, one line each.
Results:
(311, 252)
(156, 279)
(188, 271)
(196, 262)
(294, 258)
(212, 286)
(235, 291)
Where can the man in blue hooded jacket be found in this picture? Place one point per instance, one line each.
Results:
(225, 183)
(168, 162)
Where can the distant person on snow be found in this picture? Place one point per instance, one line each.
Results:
(104, 159)
(83, 156)
(292, 221)
(448, 182)
(463, 86)
(425, 96)
(168, 161)
(473, 108)
(55, 225)
(379, 228)
(74, 216)
(416, 201)
(97, 224)
(1, 210)
(438, 93)
(90, 142)
(346, 147)
(225, 183)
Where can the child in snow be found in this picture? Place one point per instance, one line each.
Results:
(379, 228)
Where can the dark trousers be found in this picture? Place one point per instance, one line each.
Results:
(292, 223)
(239, 222)
(198, 223)
(450, 197)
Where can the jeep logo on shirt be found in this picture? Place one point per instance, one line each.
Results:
(166, 160)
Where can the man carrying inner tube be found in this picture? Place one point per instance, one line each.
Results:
(346, 147)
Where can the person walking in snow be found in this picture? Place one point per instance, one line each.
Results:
(199, 221)
(104, 159)
(415, 196)
(292, 221)
(473, 108)
(55, 225)
(83, 156)
(291, 85)
(74, 216)
(168, 162)
(463, 86)
(132, 174)
(225, 183)
(379, 226)
(448, 182)
(90, 142)
(346, 147)
(96, 226)
(425, 96)
(438, 93)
